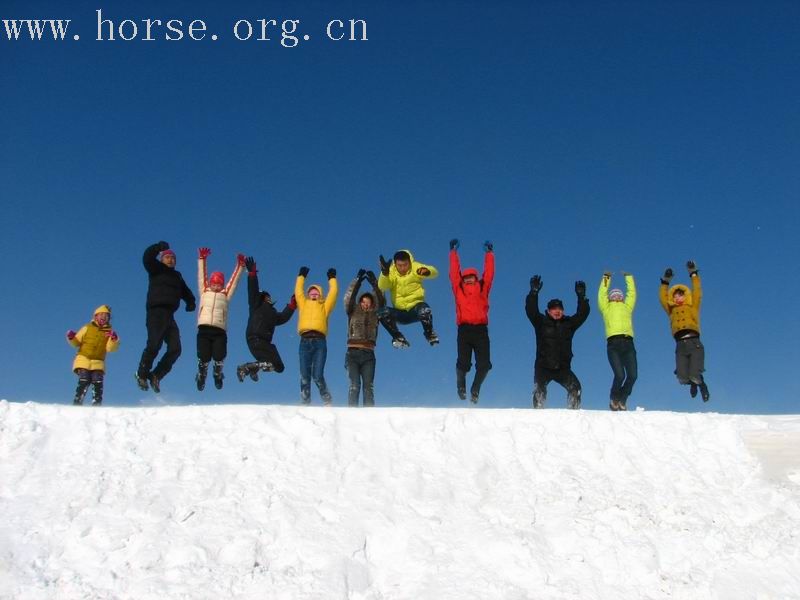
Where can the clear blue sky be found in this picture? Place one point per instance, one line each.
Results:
(577, 136)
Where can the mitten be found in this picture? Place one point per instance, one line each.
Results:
(71, 334)
(331, 273)
(667, 276)
(488, 246)
(293, 302)
(303, 272)
(240, 260)
(454, 244)
(692, 267)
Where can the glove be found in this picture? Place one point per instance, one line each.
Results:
(240, 260)
(71, 335)
(488, 246)
(163, 246)
(190, 307)
(203, 252)
(667, 276)
(536, 284)
(692, 267)
(384, 265)
(112, 335)
(625, 273)
(293, 302)
(361, 274)
(607, 274)
(454, 244)
(372, 279)
(303, 272)
(331, 273)
(250, 263)
(423, 271)
(580, 289)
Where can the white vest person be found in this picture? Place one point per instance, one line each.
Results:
(212, 317)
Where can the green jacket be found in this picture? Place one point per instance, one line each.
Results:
(617, 316)
(407, 290)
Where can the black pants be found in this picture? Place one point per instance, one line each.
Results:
(212, 342)
(86, 378)
(690, 357)
(564, 377)
(622, 358)
(161, 327)
(473, 338)
(360, 365)
(264, 351)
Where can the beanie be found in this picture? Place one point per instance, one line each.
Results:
(216, 278)
(615, 294)
(555, 303)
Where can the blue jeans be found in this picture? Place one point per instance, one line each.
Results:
(622, 358)
(360, 365)
(313, 352)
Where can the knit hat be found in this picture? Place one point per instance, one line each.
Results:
(555, 303)
(468, 272)
(103, 308)
(615, 294)
(216, 278)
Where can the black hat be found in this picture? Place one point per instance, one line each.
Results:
(555, 303)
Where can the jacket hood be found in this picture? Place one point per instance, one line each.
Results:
(471, 271)
(686, 292)
(411, 260)
(102, 308)
(319, 289)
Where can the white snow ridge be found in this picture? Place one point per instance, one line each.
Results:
(276, 502)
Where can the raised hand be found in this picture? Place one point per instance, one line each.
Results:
(71, 334)
(203, 252)
(250, 264)
(163, 246)
(692, 267)
(372, 279)
(667, 275)
(303, 272)
(293, 302)
(454, 244)
(240, 259)
(331, 273)
(607, 275)
(111, 334)
(536, 284)
(361, 274)
(384, 265)
(488, 246)
(580, 288)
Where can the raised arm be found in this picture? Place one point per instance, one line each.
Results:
(230, 289)
(602, 292)
(455, 266)
(202, 278)
(532, 302)
(150, 257)
(352, 292)
(488, 268)
(299, 287)
(333, 291)
(697, 284)
(630, 291)
(380, 299)
(663, 290)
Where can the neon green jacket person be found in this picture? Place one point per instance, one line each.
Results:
(407, 290)
(617, 316)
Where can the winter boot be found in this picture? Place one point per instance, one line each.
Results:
(202, 373)
(400, 341)
(155, 382)
(97, 390)
(614, 404)
(693, 390)
(461, 384)
(141, 381)
(473, 395)
(475, 388)
(704, 392)
(218, 375)
(623, 405)
(426, 318)
(241, 371)
(539, 396)
(80, 391)
(432, 338)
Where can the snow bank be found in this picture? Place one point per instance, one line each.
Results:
(276, 502)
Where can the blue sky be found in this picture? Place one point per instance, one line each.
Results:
(577, 136)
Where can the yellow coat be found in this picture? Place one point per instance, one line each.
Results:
(617, 316)
(687, 315)
(313, 315)
(407, 290)
(93, 344)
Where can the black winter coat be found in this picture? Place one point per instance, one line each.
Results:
(554, 338)
(263, 316)
(167, 287)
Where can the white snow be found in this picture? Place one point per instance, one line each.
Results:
(277, 502)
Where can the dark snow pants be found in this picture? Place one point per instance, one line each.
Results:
(212, 342)
(161, 327)
(622, 358)
(564, 377)
(265, 352)
(690, 356)
(390, 317)
(472, 338)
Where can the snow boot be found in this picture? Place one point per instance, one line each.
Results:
(141, 382)
(432, 338)
(614, 405)
(218, 375)
(241, 371)
(155, 382)
(473, 396)
(202, 373)
(693, 390)
(97, 391)
(704, 392)
(80, 391)
(461, 384)
(400, 341)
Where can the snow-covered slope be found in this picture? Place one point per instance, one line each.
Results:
(276, 502)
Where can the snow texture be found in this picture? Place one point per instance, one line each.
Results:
(291, 503)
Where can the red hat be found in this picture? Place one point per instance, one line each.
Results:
(216, 278)
(167, 252)
(470, 271)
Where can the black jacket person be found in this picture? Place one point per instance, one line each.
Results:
(166, 288)
(554, 333)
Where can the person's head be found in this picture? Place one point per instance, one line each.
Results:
(678, 296)
(216, 282)
(265, 297)
(366, 301)
(469, 276)
(168, 258)
(102, 315)
(402, 261)
(314, 293)
(616, 295)
(555, 308)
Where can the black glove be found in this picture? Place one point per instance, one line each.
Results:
(580, 288)
(488, 246)
(384, 265)
(163, 246)
(423, 272)
(372, 279)
(692, 267)
(190, 307)
(536, 284)
(607, 275)
(361, 274)
(667, 276)
(454, 244)
(250, 263)
(303, 272)
(331, 273)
